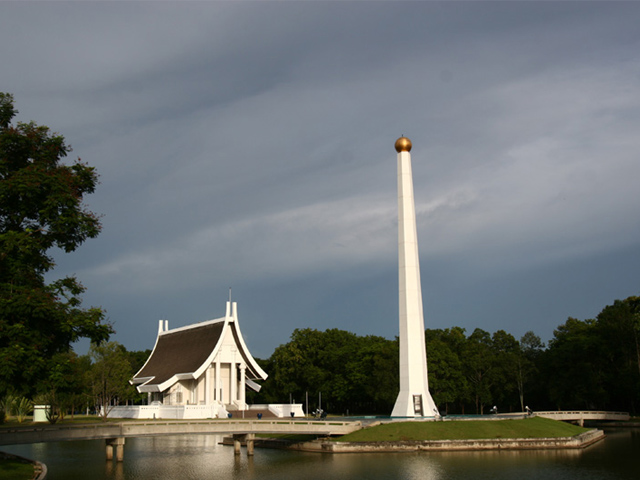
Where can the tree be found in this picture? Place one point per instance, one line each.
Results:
(109, 375)
(136, 359)
(618, 326)
(525, 363)
(375, 374)
(447, 382)
(505, 350)
(64, 386)
(41, 208)
(355, 374)
(295, 367)
(574, 368)
(479, 365)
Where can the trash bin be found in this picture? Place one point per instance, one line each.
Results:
(229, 415)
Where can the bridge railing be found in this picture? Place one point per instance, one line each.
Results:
(585, 415)
(240, 426)
(179, 412)
(136, 428)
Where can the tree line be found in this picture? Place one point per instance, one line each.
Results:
(91, 383)
(588, 364)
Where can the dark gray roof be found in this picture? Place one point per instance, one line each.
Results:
(183, 351)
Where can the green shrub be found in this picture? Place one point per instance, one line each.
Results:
(22, 407)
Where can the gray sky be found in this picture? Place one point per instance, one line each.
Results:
(250, 145)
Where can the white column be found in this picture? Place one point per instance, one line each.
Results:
(243, 387)
(207, 386)
(413, 359)
(218, 396)
(234, 383)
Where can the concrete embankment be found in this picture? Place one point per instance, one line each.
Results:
(325, 446)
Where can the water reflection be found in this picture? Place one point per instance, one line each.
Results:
(115, 470)
(202, 457)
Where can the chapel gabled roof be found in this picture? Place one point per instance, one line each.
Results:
(185, 352)
(182, 351)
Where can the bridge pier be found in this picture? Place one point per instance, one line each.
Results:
(250, 441)
(248, 438)
(119, 444)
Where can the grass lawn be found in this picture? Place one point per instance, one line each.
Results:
(11, 422)
(11, 469)
(536, 427)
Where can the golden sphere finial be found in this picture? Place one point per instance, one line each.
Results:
(403, 144)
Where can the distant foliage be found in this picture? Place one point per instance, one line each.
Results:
(595, 363)
(90, 383)
(589, 364)
(345, 372)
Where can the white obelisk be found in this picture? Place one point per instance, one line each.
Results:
(414, 399)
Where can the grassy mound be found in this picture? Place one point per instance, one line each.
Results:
(13, 469)
(536, 427)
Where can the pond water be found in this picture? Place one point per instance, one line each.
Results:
(202, 457)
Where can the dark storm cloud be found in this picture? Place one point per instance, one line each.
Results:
(251, 145)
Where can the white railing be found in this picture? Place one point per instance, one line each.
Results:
(180, 412)
(175, 412)
(584, 415)
(283, 410)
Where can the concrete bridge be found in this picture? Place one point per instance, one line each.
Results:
(115, 433)
(580, 416)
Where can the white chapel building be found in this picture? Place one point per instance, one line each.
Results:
(201, 371)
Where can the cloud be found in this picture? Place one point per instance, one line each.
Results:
(251, 144)
(324, 236)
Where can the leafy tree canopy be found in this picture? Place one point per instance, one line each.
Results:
(109, 375)
(41, 207)
(352, 373)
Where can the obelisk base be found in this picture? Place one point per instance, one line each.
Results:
(415, 405)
